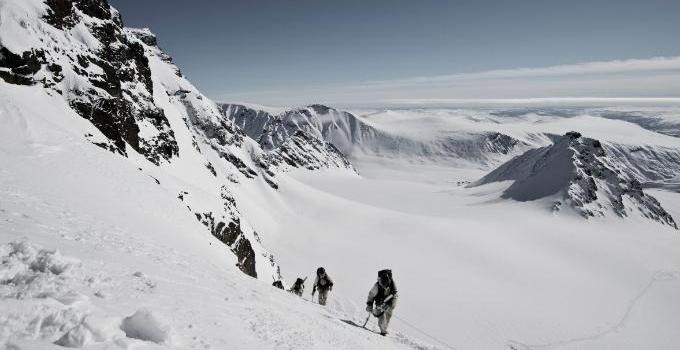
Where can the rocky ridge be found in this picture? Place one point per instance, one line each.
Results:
(137, 102)
(579, 172)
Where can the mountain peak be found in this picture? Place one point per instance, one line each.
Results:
(578, 171)
(321, 109)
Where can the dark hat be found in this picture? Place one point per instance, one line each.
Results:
(385, 272)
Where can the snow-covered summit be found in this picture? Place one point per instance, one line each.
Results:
(577, 171)
(297, 138)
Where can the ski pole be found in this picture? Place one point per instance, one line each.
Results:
(367, 318)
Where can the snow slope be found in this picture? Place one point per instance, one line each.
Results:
(96, 253)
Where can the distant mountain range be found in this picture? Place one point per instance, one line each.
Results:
(593, 177)
(351, 135)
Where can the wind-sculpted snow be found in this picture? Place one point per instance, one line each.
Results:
(579, 172)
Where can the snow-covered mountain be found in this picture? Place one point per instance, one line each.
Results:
(353, 135)
(290, 141)
(578, 172)
(136, 102)
(638, 164)
(342, 129)
(131, 206)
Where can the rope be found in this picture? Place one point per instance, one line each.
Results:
(340, 296)
(424, 333)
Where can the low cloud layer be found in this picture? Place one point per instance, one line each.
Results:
(655, 79)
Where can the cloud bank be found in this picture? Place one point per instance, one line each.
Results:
(653, 80)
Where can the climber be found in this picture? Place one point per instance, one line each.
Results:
(298, 287)
(278, 284)
(384, 296)
(323, 283)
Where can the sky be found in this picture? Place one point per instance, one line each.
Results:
(352, 52)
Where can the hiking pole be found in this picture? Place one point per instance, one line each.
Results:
(367, 318)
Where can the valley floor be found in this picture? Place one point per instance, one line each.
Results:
(477, 272)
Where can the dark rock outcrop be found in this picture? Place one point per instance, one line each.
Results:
(226, 226)
(115, 92)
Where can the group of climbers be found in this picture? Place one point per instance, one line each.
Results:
(382, 298)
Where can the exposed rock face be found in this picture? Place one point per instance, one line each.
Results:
(225, 225)
(578, 171)
(85, 55)
(19, 69)
(137, 103)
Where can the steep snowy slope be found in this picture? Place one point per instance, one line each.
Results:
(136, 104)
(577, 171)
(355, 137)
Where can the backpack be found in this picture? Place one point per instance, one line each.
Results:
(383, 295)
(299, 284)
(324, 282)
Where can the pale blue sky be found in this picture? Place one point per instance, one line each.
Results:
(302, 51)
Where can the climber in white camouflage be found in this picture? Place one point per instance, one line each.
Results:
(384, 296)
(323, 283)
